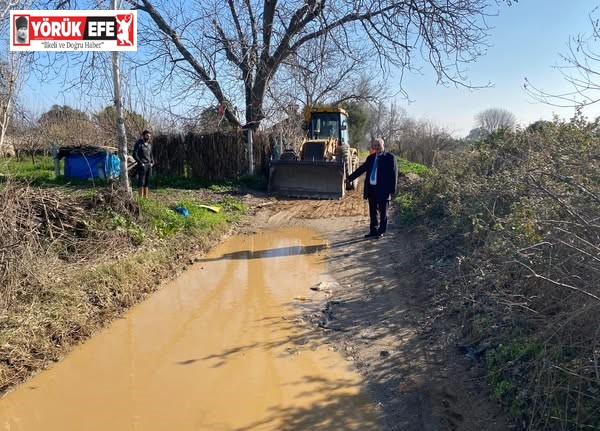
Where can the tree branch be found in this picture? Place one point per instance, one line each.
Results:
(557, 283)
(268, 16)
(338, 23)
(228, 47)
(252, 26)
(212, 84)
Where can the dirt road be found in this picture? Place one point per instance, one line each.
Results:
(382, 315)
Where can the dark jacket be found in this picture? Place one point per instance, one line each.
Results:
(387, 175)
(142, 152)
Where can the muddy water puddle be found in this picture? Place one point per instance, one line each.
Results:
(217, 349)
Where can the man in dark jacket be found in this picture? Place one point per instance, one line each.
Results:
(380, 186)
(142, 153)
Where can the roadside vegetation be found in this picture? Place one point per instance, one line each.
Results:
(74, 256)
(406, 167)
(514, 246)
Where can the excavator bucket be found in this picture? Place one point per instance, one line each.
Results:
(307, 179)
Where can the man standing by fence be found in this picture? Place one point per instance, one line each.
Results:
(142, 153)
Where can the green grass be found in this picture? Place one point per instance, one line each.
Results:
(410, 209)
(121, 223)
(165, 221)
(509, 366)
(40, 171)
(406, 167)
(226, 185)
(162, 182)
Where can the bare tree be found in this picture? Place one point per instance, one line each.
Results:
(318, 75)
(100, 74)
(6, 5)
(493, 119)
(416, 140)
(106, 122)
(210, 120)
(235, 50)
(11, 72)
(30, 138)
(386, 122)
(250, 40)
(65, 125)
(10, 80)
(333, 82)
(580, 68)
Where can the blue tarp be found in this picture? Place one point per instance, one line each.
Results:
(101, 165)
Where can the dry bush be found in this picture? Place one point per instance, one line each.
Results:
(30, 219)
(424, 142)
(46, 236)
(523, 215)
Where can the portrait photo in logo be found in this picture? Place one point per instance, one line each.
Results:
(125, 30)
(21, 30)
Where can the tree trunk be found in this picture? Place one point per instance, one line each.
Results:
(250, 153)
(5, 119)
(122, 136)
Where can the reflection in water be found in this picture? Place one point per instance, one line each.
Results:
(272, 252)
(218, 349)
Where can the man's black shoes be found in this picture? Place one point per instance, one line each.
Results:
(374, 235)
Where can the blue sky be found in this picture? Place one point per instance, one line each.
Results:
(527, 40)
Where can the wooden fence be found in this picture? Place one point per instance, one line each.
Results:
(212, 156)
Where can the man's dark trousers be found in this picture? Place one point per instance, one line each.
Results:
(378, 221)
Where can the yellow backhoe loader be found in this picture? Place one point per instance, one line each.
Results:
(324, 160)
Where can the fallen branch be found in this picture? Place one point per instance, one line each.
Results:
(557, 283)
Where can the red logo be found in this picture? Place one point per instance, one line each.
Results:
(125, 30)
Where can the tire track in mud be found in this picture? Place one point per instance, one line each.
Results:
(352, 205)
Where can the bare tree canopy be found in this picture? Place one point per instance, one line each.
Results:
(13, 67)
(235, 48)
(318, 75)
(580, 69)
(493, 119)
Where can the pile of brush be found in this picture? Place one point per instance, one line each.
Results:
(33, 218)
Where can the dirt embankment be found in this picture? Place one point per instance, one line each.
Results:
(385, 316)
